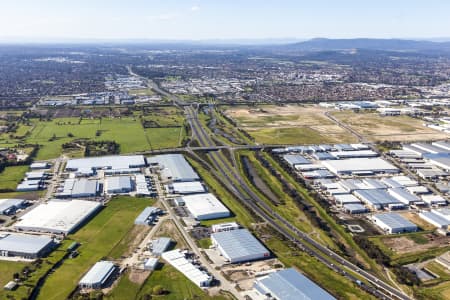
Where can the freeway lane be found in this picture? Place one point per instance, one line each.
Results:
(231, 176)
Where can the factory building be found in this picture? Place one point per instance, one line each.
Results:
(79, 188)
(346, 199)
(26, 246)
(379, 199)
(58, 216)
(88, 166)
(160, 245)
(434, 200)
(177, 259)
(393, 223)
(295, 159)
(10, 206)
(405, 197)
(147, 216)
(355, 208)
(289, 284)
(354, 154)
(40, 166)
(174, 167)
(185, 188)
(142, 186)
(151, 264)
(360, 166)
(98, 275)
(119, 185)
(225, 227)
(435, 219)
(239, 246)
(205, 206)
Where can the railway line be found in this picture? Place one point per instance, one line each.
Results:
(230, 177)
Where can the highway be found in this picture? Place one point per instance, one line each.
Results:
(230, 177)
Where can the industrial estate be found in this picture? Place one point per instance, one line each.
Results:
(316, 170)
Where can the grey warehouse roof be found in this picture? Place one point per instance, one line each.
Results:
(98, 274)
(238, 243)
(291, 285)
(175, 166)
(295, 159)
(24, 243)
(377, 197)
(5, 204)
(394, 220)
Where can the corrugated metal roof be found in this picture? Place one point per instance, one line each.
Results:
(24, 243)
(291, 285)
(107, 162)
(394, 220)
(294, 159)
(6, 204)
(98, 274)
(175, 166)
(119, 183)
(239, 243)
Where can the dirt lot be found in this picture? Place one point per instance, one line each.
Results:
(403, 244)
(170, 230)
(288, 123)
(377, 128)
(138, 276)
(245, 274)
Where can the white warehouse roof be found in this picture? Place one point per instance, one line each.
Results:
(24, 243)
(106, 162)
(190, 187)
(175, 167)
(98, 274)
(358, 165)
(57, 216)
(205, 206)
(239, 245)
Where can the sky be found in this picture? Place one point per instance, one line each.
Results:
(222, 19)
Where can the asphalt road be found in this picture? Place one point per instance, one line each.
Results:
(231, 176)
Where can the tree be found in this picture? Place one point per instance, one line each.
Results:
(70, 134)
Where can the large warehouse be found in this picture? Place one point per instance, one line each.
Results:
(25, 245)
(205, 206)
(174, 167)
(86, 165)
(184, 188)
(118, 184)
(79, 188)
(239, 245)
(177, 259)
(289, 284)
(58, 216)
(393, 223)
(98, 275)
(9, 206)
(378, 199)
(356, 166)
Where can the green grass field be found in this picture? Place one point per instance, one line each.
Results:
(7, 269)
(177, 286)
(98, 240)
(11, 176)
(294, 135)
(165, 137)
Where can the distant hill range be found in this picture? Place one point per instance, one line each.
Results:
(324, 44)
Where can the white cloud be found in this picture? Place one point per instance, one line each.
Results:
(195, 8)
(164, 17)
